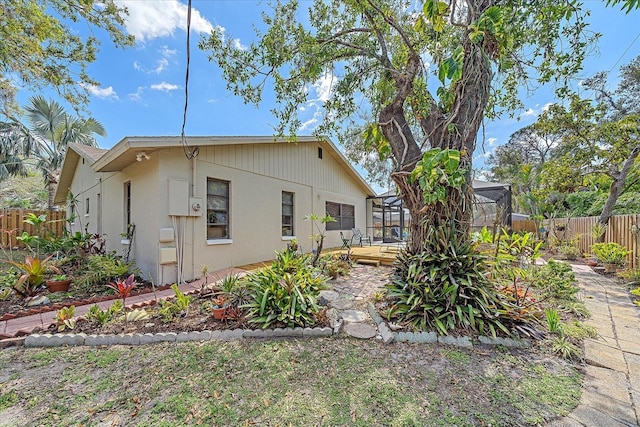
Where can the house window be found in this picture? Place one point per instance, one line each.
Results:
(86, 204)
(319, 152)
(127, 204)
(287, 213)
(345, 216)
(217, 209)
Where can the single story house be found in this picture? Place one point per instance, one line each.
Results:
(235, 202)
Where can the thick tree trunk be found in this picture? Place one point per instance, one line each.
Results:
(455, 128)
(619, 180)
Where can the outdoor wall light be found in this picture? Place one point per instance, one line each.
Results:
(142, 155)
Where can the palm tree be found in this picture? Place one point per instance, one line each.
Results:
(51, 130)
(10, 151)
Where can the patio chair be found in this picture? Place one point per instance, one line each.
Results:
(346, 243)
(359, 237)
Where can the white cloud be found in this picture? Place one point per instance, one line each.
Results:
(137, 95)
(151, 19)
(546, 106)
(492, 141)
(530, 113)
(161, 65)
(164, 87)
(104, 93)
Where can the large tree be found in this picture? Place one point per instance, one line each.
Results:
(429, 76)
(600, 136)
(48, 134)
(42, 45)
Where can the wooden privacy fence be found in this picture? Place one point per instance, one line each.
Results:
(12, 225)
(622, 229)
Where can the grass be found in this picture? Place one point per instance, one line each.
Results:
(324, 382)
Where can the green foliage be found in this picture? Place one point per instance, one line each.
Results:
(34, 270)
(554, 280)
(610, 253)
(280, 296)
(578, 331)
(565, 348)
(102, 317)
(436, 172)
(444, 287)
(553, 320)
(64, 318)
(180, 305)
(333, 265)
(483, 236)
(136, 315)
(47, 44)
(101, 269)
(569, 249)
(518, 248)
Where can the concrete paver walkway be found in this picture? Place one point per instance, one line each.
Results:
(611, 388)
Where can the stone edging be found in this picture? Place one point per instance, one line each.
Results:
(389, 336)
(55, 340)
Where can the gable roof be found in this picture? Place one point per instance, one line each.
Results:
(72, 157)
(124, 154)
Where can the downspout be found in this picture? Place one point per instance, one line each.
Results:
(193, 219)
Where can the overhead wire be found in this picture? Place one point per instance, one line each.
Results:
(190, 153)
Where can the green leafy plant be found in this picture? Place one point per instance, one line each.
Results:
(64, 318)
(34, 270)
(100, 269)
(123, 287)
(444, 287)
(578, 331)
(568, 249)
(555, 280)
(565, 348)
(631, 276)
(519, 248)
(102, 317)
(318, 237)
(180, 305)
(287, 298)
(553, 320)
(610, 253)
(137, 314)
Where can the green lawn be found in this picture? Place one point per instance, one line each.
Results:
(315, 382)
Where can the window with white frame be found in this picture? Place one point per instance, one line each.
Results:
(217, 209)
(287, 214)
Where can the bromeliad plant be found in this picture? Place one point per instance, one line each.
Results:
(123, 287)
(64, 318)
(444, 287)
(34, 269)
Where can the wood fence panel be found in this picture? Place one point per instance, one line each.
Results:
(12, 225)
(622, 229)
(524, 225)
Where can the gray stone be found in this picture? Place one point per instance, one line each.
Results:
(506, 342)
(457, 341)
(287, 332)
(354, 316)
(385, 333)
(201, 336)
(374, 314)
(317, 332)
(342, 304)
(50, 340)
(38, 300)
(129, 339)
(71, 339)
(183, 337)
(165, 337)
(425, 337)
(333, 316)
(325, 297)
(405, 337)
(337, 327)
(95, 340)
(257, 333)
(147, 338)
(235, 334)
(33, 340)
(360, 330)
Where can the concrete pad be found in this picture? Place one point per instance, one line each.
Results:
(360, 330)
(607, 382)
(565, 422)
(598, 354)
(606, 408)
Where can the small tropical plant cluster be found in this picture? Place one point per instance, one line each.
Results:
(80, 257)
(610, 253)
(452, 287)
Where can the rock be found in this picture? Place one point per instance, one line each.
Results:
(332, 315)
(341, 304)
(360, 330)
(38, 300)
(325, 297)
(394, 327)
(354, 316)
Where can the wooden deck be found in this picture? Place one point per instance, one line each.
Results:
(383, 254)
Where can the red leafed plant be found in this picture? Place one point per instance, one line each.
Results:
(123, 287)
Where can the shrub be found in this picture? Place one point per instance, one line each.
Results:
(610, 253)
(101, 269)
(555, 280)
(444, 287)
(284, 297)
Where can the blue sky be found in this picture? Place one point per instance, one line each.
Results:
(141, 89)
